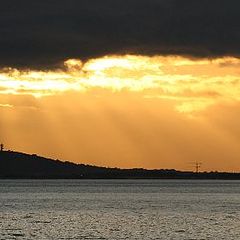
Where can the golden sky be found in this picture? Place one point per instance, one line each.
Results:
(126, 111)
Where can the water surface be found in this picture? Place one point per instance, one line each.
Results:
(119, 209)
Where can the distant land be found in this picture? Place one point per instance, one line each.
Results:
(16, 165)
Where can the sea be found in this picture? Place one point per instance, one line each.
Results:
(120, 209)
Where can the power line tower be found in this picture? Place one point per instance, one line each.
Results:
(1, 147)
(197, 166)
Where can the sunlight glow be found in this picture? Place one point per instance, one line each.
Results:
(192, 84)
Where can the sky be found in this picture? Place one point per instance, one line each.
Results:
(126, 83)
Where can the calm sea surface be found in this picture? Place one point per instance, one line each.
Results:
(119, 209)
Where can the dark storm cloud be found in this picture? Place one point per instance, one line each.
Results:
(44, 33)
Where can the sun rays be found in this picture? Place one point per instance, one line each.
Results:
(192, 84)
(125, 111)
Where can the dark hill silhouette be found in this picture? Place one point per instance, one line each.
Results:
(22, 165)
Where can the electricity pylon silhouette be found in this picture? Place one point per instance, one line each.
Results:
(197, 166)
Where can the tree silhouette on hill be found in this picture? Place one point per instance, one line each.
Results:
(22, 165)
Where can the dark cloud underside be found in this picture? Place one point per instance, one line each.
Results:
(44, 33)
